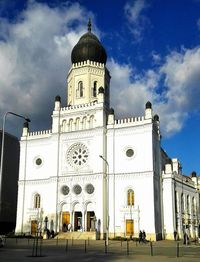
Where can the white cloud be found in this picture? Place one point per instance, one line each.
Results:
(174, 102)
(35, 58)
(130, 95)
(156, 57)
(137, 21)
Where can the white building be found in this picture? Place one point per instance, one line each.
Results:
(97, 173)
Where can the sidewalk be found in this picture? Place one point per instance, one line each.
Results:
(80, 250)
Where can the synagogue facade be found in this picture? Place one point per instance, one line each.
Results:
(94, 173)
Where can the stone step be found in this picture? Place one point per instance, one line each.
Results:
(77, 235)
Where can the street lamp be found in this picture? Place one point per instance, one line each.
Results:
(2, 147)
(107, 202)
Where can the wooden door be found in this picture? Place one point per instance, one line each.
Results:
(129, 227)
(88, 221)
(33, 227)
(65, 218)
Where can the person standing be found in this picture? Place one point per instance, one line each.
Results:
(140, 236)
(175, 235)
(143, 236)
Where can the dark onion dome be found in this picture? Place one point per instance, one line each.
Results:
(193, 174)
(57, 98)
(148, 105)
(111, 111)
(88, 48)
(156, 118)
(101, 90)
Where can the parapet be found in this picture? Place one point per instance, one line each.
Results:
(38, 134)
(88, 63)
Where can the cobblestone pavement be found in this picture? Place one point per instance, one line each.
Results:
(21, 250)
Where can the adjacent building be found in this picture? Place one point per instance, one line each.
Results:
(9, 188)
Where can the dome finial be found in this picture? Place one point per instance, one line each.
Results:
(89, 25)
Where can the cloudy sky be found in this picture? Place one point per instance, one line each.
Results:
(153, 49)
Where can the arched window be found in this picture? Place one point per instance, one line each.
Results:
(176, 202)
(182, 203)
(63, 125)
(94, 89)
(193, 207)
(80, 89)
(91, 121)
(37, 201)
(70, 124)
(84, 123)
(130, 197)
(188, 204)
(77, 123)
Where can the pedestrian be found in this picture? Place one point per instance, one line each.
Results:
(175, 235)
(143, 236)
(64, 227)
(52, 233)
(185, 239)
(48, 234)
(140, 236)
(69, 227)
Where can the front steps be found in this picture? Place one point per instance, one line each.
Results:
(77, 235)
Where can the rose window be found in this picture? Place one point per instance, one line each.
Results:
(65, 190)
(89, 188)
(77, 189)
(77, 155)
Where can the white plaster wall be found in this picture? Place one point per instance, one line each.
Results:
(142, 184)
(139, 138)
(131, 173)
(168, 206)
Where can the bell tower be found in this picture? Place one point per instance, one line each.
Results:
(88, 72)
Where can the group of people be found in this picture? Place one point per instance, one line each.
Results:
(66, 227)
(50, 234)
(185, 237)
(142, 236)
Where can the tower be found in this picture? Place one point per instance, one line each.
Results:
(88, 72)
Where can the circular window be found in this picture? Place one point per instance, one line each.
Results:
(77, 155)
(89, 188)
(77, 189)
(65, 190)
(129, 152)
(38, 161)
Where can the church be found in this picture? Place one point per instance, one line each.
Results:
(94, 174)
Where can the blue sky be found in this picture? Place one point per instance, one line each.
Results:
(153, 49)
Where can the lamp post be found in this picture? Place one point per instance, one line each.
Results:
(2, 148)
(107, 198)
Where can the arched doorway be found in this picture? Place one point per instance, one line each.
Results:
(65, 217)
(34, 226)
(77, 221)
(90, 217)
(78, 218)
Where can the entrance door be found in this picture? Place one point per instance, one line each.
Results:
(129, 227)
(77, 221)
(33, 227)
(65, 220)
(90, 221)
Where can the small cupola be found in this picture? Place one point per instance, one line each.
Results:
(148, 111)
(148, 105)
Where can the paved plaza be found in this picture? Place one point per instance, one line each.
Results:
(21, 250)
